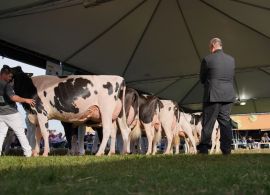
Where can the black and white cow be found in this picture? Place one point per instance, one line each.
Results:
(185, 129)
(75, 99)
(215, 137)
(169, 118)
(149, 123)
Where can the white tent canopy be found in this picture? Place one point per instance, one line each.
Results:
(157, 45)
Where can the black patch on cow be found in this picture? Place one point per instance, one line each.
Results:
(169, 108)
(45, 113)
(195, 119)
(39, 105)
(33, 112)
(51, 103)
(148, 106)
(116, 87)
(115, 97)
(62, 77)
(67, 92)
(47, 125)
(45, 93)
(131, 100)
(109, 86)
(96, 92)
(160, 104)
(176, 111)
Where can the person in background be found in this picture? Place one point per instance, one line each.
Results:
(9, 115)
(266, 137)
(250, 143)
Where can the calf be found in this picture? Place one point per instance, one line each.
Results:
(75, 99)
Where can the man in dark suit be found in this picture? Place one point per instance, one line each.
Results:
(217, 75)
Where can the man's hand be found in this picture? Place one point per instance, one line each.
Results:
(31, 102)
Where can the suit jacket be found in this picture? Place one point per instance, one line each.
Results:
(217, 76)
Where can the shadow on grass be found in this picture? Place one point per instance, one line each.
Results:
(194, 174)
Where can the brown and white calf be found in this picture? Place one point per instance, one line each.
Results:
(75, 99)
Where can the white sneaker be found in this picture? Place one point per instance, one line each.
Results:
(28, 154)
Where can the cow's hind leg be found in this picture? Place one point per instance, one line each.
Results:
(188, 132)
(125, 131)
(43, 124)
(168, 132)
(149, 129)
(113, 139)
(106, 118)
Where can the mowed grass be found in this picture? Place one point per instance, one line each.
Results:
(136, 174)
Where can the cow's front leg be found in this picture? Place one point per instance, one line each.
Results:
(36, 149)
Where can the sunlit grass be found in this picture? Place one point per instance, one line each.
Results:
(136, 174)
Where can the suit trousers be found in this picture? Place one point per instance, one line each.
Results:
(219, 111)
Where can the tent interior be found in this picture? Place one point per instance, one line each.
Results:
(156, 45)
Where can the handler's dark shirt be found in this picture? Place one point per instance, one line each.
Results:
(6, 105)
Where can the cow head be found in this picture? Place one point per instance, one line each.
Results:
(23, 85)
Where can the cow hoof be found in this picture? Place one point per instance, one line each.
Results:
(111, 153)
(35, 154)
(45, 154)
(98, 154)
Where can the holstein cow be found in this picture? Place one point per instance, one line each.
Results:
(215, 138)
(169, 117)
(132, 116)
(149, 108)
(185, 129)
(74, 99)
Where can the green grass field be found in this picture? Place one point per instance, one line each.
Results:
(136, 174)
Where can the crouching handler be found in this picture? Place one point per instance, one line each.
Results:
(9, 115)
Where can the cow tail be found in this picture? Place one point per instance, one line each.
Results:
(176, 140)
(123, 86)
(157, 135)
(136, 133)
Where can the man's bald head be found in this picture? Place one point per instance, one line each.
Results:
(215, 44)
